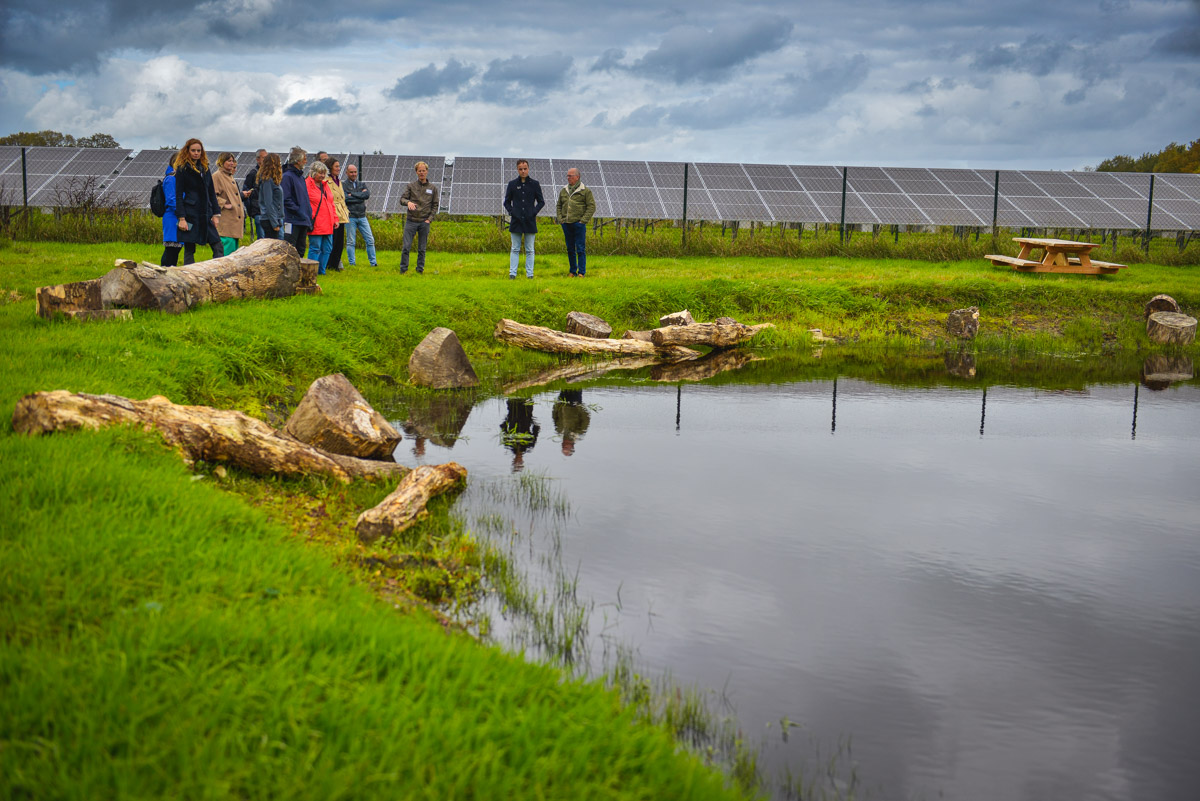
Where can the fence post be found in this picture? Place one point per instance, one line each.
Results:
(842, 225)
(24, 184)
(1149, 212)
(685, 176)
(995, 206)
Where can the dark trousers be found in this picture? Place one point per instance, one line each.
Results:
(214, 242)
(170, 256)
(339, 244)
(576, 236)
(421, 230)
(298, 238)
(266, 230)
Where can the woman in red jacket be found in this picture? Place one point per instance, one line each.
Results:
(324, 215)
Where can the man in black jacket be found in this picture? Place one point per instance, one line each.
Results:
(522, 200)
(357, 195)
(250, 193)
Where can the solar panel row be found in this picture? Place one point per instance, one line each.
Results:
(715, 191)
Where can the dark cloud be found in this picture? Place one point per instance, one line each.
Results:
(698, 54)
(1037, 55)
(522, 78)
(429, 81)
(1183, 42)
(311, 108)
(609, 60)
(821, 83)
(644, 116)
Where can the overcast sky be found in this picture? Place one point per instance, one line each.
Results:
(1050, 84)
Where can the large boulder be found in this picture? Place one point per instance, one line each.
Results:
(334, 417)
(441, 363)
(963, 323)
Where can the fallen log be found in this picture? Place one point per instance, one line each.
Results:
(714, 335)
(716, 362)
(267, 268)
(406, 504)
(536, 337)
(579, 371)
(644, 336)
(200, 432)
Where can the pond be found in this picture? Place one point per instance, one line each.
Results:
(960, 586)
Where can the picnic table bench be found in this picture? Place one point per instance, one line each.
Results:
(1059, 256)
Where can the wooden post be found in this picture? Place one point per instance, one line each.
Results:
(842, 226)
(1149, 213)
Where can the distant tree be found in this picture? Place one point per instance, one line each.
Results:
(56, 139)
(1172, 158)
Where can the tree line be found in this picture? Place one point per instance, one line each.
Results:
(1172, 158)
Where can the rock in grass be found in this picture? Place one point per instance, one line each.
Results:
(334, 417)
(1171, 328)
(587, 325)
(963, 323)
(440, 362)
(676, 318)
(1160, 303)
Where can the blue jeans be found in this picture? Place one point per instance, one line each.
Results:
(421, 230)
(355, 225)
(515, 256)
(576, 236)
(319, 248)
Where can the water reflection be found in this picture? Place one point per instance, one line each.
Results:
(438, 419)
(519, 431)
(571, 418)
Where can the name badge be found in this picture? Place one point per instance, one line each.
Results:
(429, 191)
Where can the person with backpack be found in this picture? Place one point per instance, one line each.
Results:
(162, 203)
(196, 205)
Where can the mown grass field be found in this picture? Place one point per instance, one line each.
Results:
(177, 634)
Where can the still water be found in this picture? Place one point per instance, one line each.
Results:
(987, 593)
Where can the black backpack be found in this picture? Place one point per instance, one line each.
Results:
(158, 200)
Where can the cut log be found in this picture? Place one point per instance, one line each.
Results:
(710, 334)
(336, 418)
(77, 296)
(535, 337)
(1171, 328)
(716, 362)
(588, 325)
(200, 432)
(963, 323)
(439, 361)
(644, 336)
(676, 318)
(1160, 303)
(308, 272)
(406, 505)
(579, 371)
(267, 268)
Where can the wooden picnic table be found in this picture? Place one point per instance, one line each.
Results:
(1058, 256)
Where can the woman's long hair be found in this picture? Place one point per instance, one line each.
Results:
(270, 170)
(184, 159)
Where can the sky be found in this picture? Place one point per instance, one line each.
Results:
(939, 83)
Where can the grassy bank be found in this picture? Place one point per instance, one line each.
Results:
(175, 634)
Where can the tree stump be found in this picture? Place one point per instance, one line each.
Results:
(963, 323)
(308, 272)
(1160, 303)
(1171, 328)
(73, 297)
(676, 318)
(439, 361)
(267, 268)
(334, 417)
(587, 325)
(406, 505)
(200, 432)
(710, 334)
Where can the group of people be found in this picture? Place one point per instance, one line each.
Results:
(326, 212)
(313, 211)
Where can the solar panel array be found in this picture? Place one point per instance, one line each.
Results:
(715, 191)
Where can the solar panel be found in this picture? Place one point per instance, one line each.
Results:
(1015, 184)
(1187, 212)
(819, 179)
(945, 209)
(1057, 184)
(43, 160)
(792, 207)
(1106, 185)
(96, 161)
(1045, 211)
(669, 174)
(892, 209)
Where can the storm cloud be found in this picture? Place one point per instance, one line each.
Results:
(429, 81)
(700, 54)
(311, 108)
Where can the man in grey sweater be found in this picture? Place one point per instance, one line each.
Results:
(422, 198)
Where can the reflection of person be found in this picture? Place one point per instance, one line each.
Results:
(523, 200)
(421, 199)
(519, 431)
(571, 418)
(232, 223)
(196, 201)
(576, 205)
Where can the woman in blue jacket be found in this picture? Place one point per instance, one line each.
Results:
(170, 223)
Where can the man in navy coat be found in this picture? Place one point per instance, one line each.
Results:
(522, 200)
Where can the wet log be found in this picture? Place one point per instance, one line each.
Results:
(535, 337)
(579, 371)
(406, 504)
(716, 362)
(334, 417)
(200, 432)
(713, 335)
(73, 297)
(1171, 328)
(588, 325)
(267, 268)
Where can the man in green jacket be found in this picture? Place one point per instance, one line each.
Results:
(576, 205)
(421, 198)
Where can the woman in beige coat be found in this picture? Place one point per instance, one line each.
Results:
(232, 223)
(334, 179)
